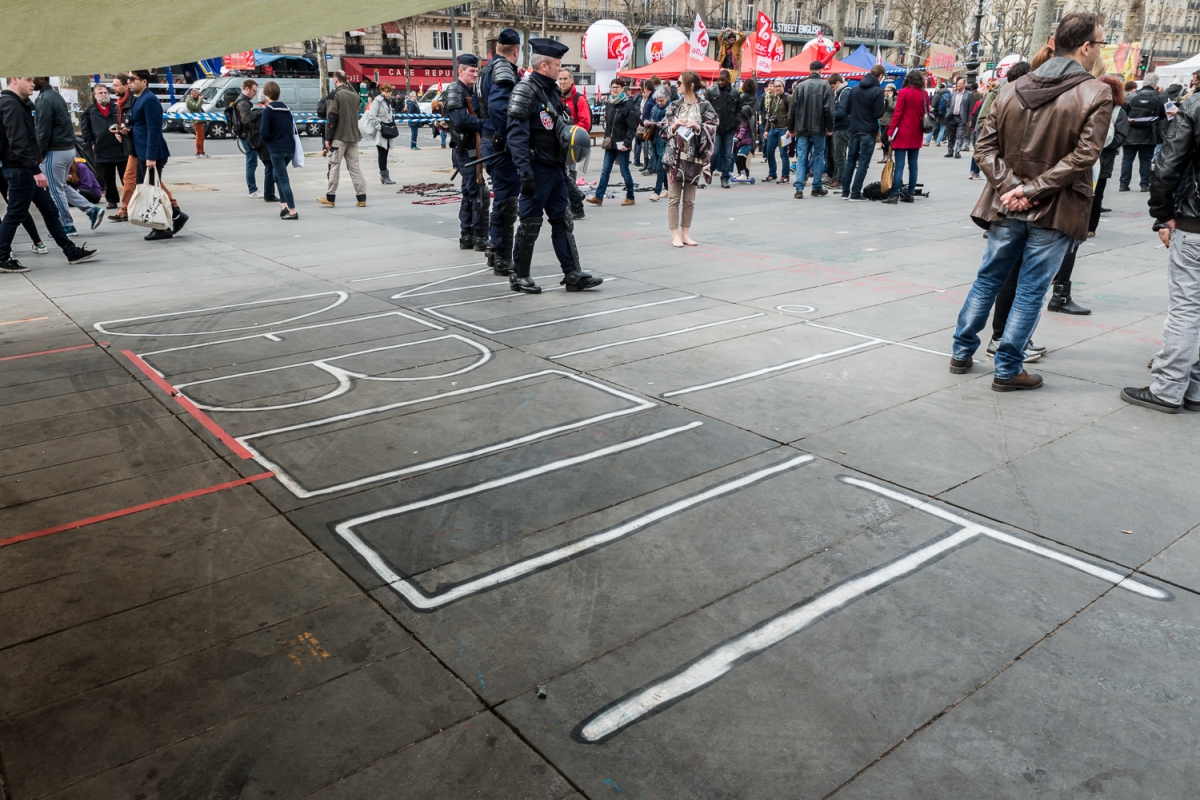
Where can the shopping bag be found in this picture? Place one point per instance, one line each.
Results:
(150, 207)
(889, 173)
(297, 149)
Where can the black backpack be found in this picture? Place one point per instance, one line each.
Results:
(252, 125)
(232, 124)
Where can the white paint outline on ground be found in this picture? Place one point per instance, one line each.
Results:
(295, 488)
(413, 292)
(434, 310)
(717, 662)
(871, 341)
(419, 600)
(415, 272)
(657, 336)
(342, 297)
(343, 376)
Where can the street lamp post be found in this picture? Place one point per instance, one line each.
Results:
(973, 62)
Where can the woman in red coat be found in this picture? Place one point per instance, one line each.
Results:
(907, 134)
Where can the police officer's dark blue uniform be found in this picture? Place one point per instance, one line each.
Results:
(463, 126)
(533, 109)
(496, 82)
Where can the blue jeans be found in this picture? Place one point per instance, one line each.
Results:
(1008, 240)
(622, 158)
(251, 165)
(660, 177)
(23, 191)
(862, 147)
(903, 156)
(722, 157)
(414, 129)
(773, 137)
(938, 134)
(279, 164)
(816, 146)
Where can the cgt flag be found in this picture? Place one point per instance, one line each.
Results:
(762, 43)
(698, 41)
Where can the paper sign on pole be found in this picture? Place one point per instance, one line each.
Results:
(940, 61)
(698, 41)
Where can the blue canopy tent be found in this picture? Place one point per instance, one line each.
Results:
(864, 58)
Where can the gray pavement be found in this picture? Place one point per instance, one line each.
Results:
(321, 509)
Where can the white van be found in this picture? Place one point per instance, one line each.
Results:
(301, 95)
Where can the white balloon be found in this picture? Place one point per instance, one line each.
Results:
(607, 47)
(663, 43)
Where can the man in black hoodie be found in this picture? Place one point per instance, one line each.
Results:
(864, 105)
(20, 161)
(727, 103)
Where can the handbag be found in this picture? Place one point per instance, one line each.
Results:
(606, 143)
(148, 207)
(929, 121)
(388, 130)
(889, 173)
(297, 148)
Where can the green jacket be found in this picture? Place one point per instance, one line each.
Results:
(195, 106)
(341, 115)
(52, 121)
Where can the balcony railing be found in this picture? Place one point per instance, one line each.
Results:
(869, 33)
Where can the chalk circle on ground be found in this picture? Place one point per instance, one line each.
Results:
(792, 308)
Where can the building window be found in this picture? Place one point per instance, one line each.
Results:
(858, 15)
(1058, 14)
(441, 41)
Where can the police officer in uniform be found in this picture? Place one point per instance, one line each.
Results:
(458, 103)
(535, 118)
(496, 82)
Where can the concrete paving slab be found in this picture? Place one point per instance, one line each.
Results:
(1179, 563)
(63, 451)
(1102, 708)
(97, 730)
(63, 664)
(802, 716)
(1101, 486)
(78, 402)
(477, 758)
(302, 743)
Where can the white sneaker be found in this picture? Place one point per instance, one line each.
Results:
(256, 195)
(1032, 353)
(40, 249)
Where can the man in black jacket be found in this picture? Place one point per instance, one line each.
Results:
(864, 105)
(1175, 206)
(727, 103)
(810, 119)
(98, 130)
(841, 129)
(622, 115)
(20, 161)
(1147, 118)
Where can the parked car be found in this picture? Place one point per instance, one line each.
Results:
(425, 101)
(301, 95)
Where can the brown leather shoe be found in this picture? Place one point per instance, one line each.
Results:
(960, 367)
(1025, 380)
(628, 201)
(596, 201)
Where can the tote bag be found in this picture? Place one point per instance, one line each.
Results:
(297, 148)
(148, 207)
(889, 174)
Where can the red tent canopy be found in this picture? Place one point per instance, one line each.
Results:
(674, 65)
(798, 65)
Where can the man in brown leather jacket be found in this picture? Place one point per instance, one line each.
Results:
(1036, 148)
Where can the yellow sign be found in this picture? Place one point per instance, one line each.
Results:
(1122, 59)
(941, 61)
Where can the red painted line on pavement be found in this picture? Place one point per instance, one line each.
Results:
(24, 537)
(216, 430)
(48, 352)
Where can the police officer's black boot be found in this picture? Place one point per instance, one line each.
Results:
(575, 279)
(520, 281)
(466, 240)
(578, 280)
(500, 257)
(481, 241)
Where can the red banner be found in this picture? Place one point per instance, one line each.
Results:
(239, 62)
(763, 34)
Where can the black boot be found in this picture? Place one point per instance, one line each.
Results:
(156, 234)
(466, 240)
(577, 281)
(520, 280)
(178, 221)
(501, 257)
(1061, 301)
(386, 179)
(481, 242)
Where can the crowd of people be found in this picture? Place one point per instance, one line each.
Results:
(1044, 140)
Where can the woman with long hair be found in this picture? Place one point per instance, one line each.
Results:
(379, 112)
(907, 135)
(691, 131)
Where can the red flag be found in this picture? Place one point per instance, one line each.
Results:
(762, 43)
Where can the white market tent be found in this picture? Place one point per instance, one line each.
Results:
(144, 34)
(1180, 73)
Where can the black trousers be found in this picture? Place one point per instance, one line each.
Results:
(1008, 291)
(26, 223)
(953, 131)
(1097, 201)
(111, 176)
